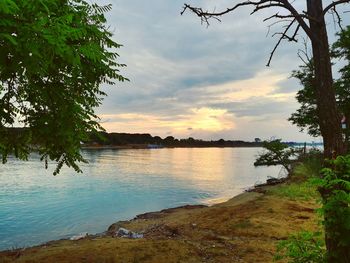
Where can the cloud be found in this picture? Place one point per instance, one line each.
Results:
(185, 75)
(198, 119)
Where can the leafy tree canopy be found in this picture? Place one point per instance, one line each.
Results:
(306, 117)
(54, 55)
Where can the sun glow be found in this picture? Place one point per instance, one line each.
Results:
(227, 101)
(206, 119)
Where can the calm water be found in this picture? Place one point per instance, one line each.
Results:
(36, 207)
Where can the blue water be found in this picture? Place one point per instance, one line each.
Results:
(36, 206)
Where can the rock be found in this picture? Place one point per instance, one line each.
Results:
(123, 232)
(273, 181)
(136, 235)
(79, 236)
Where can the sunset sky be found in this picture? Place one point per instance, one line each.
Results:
(187, 80)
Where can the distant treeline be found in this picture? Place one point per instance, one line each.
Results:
(142, 140)
(125, 139)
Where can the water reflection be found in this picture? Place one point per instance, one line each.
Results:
(116, 185)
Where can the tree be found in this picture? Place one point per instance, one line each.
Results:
(54, 55)
(277, 153)
(312, 22)
(306, 116)
(341, 50)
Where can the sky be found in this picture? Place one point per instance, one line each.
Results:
(190, 80)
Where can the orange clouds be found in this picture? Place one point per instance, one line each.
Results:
(205, 119)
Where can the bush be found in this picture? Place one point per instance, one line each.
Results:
(334, 187)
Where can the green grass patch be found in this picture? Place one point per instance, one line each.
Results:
(296, 191)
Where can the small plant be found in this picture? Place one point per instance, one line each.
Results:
(277, 153)
(304, 247)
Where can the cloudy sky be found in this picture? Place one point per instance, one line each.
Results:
(190, 80)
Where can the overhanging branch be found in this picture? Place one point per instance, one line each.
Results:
(259, 5)
(333, 4)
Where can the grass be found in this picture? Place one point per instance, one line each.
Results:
(300, 186)
(243, 229)
(243, 224)
(305, 191)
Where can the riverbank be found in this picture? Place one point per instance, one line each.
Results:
(245, 228)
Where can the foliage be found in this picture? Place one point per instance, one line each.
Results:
(334, 187)
(310, 164)
(341, 50)
(53, 57)
(304, 247)
(306, 117)
(301, 184)
(104, 138)
(277, 153)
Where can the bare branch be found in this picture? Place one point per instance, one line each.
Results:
(338, 19)
(333, 4)
(283, 36)
(275, 23)
(299, 18)
(296, 31)
(259, 5)
(206, 15)
(277, 15)
(201, 13)
(305, 53)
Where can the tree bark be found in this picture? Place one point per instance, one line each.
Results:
(328, 113)
(329, 116)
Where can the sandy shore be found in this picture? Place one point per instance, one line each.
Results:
(245, 228)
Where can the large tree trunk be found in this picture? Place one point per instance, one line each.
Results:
(330, 119)
(329, 116)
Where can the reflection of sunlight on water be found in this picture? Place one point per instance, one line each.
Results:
(116, 185)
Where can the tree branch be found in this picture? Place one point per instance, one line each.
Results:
(333, 4)
(337, 20)
(299, 18)
(283, 36)
(258, 5)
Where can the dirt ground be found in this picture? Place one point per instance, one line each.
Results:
(243, 229)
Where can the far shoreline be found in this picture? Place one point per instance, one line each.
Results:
(145, 146)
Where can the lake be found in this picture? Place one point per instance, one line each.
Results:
(36, 206)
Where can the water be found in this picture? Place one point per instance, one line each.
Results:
(36, 206)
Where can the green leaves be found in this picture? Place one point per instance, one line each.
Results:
(303, 247)
(334, 187)
(306, 117)
(277, 153)
(54, 55)
(8, 7)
